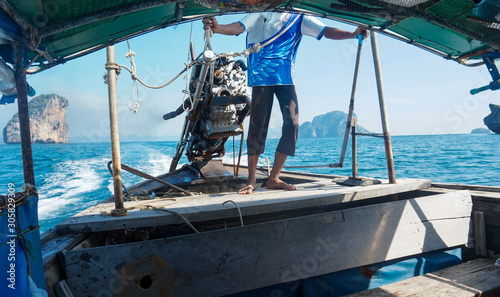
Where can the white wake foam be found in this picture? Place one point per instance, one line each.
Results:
(70, 182)
(155, 163)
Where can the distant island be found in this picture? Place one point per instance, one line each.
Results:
(330, 124)
(480, 131)
(47, 121)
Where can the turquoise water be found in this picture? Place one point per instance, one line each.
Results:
(72, 177)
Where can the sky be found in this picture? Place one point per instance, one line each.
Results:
(425, 94)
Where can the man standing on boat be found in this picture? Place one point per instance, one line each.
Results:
(270, 72)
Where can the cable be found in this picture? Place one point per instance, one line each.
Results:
(175, 213)
(239, 210)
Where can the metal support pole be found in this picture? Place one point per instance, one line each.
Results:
(24, 117)
(113, 117)
(351, 102)
(383, 112)
(354, 149)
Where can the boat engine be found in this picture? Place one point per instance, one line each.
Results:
(223, 104)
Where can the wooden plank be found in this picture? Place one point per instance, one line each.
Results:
(486, 202)
(477, 195)
(238, 259)
(209, 207)
(57, 243)
(466, 187)
(491, 212)
(486, 196)
(62, 289)
(51, 245)
(479, 277)
(479, 234)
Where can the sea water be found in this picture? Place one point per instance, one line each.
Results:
(73, 177)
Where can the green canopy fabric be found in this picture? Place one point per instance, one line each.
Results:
(58, 30)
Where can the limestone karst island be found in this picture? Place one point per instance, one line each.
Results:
(47, 121)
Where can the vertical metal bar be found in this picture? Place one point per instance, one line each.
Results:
(351, 103)
(383, 112)
(234, 157)
(24, 118)
(354, 149)
(241, 148)
(180, 146)
(113, 117)
(208, 57)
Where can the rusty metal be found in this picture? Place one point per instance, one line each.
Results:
(389, 158)
(113, 118)
(7, 8)
(239, 154)
(180, 10)
(383, 112)
(24, 118)
(473, 54)
(354, 149)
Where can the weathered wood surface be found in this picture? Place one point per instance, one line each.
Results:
(51, 245)
(466, 187)
(486, 200)
(493, 197)
(209, 207)
(232, 260)
(479, 277)
(491, 212)
(479, 234)
(63, 289)
(185, 177)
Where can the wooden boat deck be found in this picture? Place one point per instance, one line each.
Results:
(236, 259)
(320, 193)
(479, 277)
(283, 230)
(292, 227)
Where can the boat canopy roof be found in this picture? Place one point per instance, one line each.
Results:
(55, 31)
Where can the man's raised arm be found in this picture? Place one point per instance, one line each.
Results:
(337, 34)
(230, 29)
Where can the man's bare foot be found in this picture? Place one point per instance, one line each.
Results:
(279, 184)
(248, 189)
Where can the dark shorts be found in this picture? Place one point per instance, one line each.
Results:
(262, 104)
